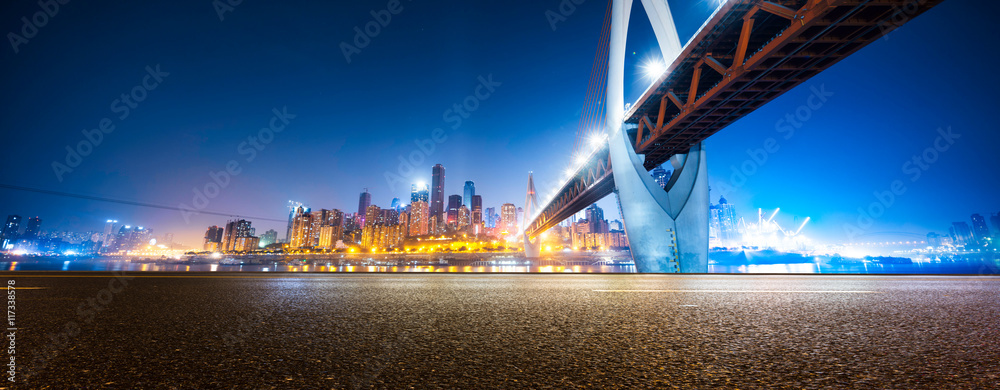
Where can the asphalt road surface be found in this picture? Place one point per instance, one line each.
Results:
(359, 331)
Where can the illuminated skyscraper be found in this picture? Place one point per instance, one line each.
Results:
(437, 191)
(728, 221)
(595, 217)
(390, 217)
(329, 235)
(269, 237)
(292, 206)
(372, 228)
(463, 217)
(477, 214)
(303, 234)
(419, 192)
(419, 214)
(491, 217)
(395, 204)
(470, 191)
(235, 230)
(508, 218)
(213, 238)
(364, 201)
(454, 202)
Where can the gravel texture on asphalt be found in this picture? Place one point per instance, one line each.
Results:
(475, 331)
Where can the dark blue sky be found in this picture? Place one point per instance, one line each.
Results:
(354, 120)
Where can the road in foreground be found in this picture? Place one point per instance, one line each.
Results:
(505, 331)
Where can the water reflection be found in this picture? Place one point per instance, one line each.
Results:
(504, 264)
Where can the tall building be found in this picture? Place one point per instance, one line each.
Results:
(269, 237)
(595, 217)
(980, 231)
(508, 219)
(395, 204)
(463, 217)
(10, 231)
(303, 233)
(477, 214)
(661, 176)
(419, 215)
(962, 234)
(714, 222)
(419, 192)
(728, 221)
(454, 202)
(364, 201)
(404, 223)
(437, 191)
(491, 217)
(390, 217)
(329, 235)
(288, 232)
(31, 231)
(235, 230)
(373, 221)
(470, 191)
(213, 238)
(616, 226)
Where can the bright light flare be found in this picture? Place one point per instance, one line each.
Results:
(653, 69)
(596, 141)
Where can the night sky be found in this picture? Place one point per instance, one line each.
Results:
(354, 120)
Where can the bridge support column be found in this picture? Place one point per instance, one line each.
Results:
(532, 250)
(667, 230)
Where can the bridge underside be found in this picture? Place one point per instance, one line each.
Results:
(747, 54)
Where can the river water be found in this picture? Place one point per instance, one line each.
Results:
(596, 263)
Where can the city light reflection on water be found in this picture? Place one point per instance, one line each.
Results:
(505, 264)
(319, 268)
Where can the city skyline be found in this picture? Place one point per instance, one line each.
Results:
(152, 142)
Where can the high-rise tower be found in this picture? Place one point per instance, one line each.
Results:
(470, 191)
(437, 191)
(364, 201)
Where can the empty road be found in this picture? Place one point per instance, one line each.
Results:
(354, 331)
